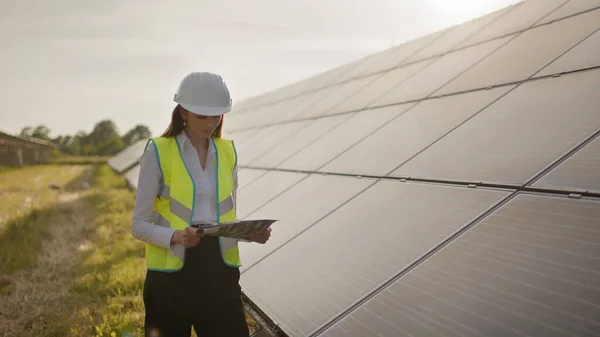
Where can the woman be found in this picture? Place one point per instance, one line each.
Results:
(187, 175)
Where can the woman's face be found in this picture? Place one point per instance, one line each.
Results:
(200, 126)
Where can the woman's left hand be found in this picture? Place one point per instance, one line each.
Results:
(260, 237)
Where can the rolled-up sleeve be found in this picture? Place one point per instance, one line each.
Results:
(147, 190)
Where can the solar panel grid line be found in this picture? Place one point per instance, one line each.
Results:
(559, 111)
(519, 82)
(310, 141)
(514, 18)
(383, 91)
(336, 97)
(274, 197)
(311, 225)
(551, 16)
(573, 192)
(488, 19)
(558, 276)
(559, 160)
(412, 265)
(564, 53)
(451, 130)
(314, 89)
(460, 91)
(365, 137)
(433, 56)
(518, 60)
(579, 57)
(243, 184)
(460, 48)
(419, 238)
(441, 85)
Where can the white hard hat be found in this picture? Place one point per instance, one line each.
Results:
(204, 93)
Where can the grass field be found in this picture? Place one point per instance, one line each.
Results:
(68, 263)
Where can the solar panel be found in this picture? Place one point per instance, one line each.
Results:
(435, 75)
(308, 100)
(240, 136)
(263, 189)
(127, 157)
(523, 15)
(380, 86)
(531, 268)
(393, 57)
(413, 131)
(364, 64)
(299, 208)
(337, 95)
(454, 35)
(526, 54)
(582, 56)
(570, 8)
(266, 140)
(579, 172)
(342, 138)
(296, 106)
(131, 176)
(248, 175)
(356, 248)
(288, 147)
(517, 136)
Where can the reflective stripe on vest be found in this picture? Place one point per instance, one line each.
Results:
(174, 205)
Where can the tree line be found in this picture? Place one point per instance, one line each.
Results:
(104, 140)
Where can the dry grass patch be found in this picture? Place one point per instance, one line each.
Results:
(72, 267)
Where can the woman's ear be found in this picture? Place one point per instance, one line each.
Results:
(184, 114)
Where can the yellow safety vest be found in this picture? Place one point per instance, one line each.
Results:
(174, 206)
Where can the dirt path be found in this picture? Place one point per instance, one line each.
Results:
(30, 300)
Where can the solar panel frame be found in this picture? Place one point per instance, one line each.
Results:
(452, 38)
(313, 131)
(342, 138)
(263, 189)
(319, 195)
(411, 133)
(507, 212)
(578, 172)
(525, 54)
(128, 157)
(439, 72)
(339, 275)
(518, 18)
(131, 176)
(579, 57)
(565, 106)
(572, 7)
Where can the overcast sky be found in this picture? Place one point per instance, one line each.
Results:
(70, 63)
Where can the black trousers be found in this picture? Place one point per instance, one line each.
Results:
(205, 294)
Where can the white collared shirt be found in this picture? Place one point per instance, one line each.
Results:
(149, 185)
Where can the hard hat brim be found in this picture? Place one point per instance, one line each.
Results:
(205, 110)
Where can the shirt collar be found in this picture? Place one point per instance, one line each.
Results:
(184, 141)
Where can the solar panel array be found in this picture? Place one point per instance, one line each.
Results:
(449, 186)
(127, 159)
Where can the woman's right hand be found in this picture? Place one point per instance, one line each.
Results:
(188, 237)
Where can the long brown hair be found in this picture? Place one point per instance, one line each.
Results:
(176, 125)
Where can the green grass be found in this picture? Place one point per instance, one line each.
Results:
(69, 264)
(79, 160)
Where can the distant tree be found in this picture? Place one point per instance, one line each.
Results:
(27, 131)
(104, 140)
(39, 132)
(137, 133)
